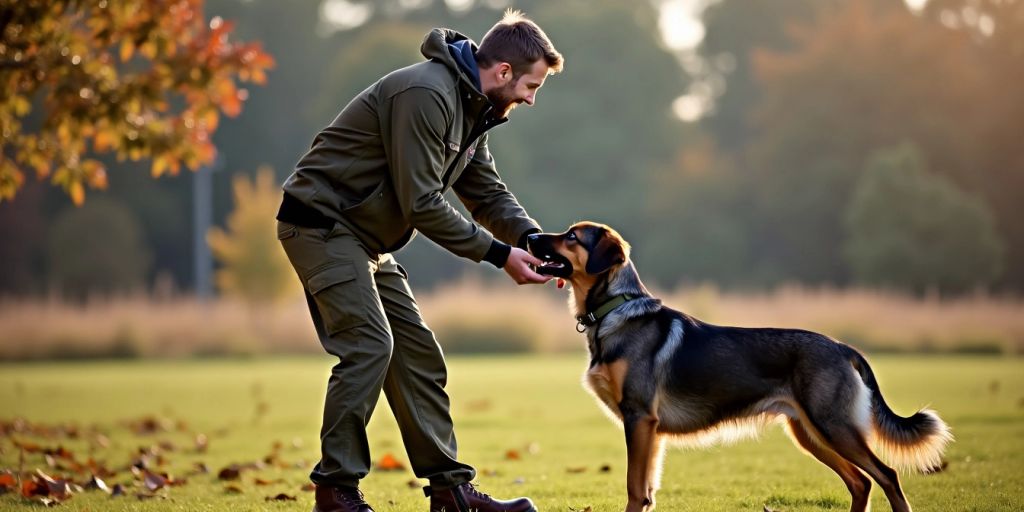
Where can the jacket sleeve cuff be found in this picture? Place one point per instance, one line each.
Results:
(497, 254)
(522, 238)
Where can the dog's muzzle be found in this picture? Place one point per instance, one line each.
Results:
(554, 264)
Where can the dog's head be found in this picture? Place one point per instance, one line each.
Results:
(585, 249)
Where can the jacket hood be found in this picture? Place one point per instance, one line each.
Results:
(436, 48)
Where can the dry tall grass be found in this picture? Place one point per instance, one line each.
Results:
(478, 317)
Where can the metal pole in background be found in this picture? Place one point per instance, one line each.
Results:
(202, 219)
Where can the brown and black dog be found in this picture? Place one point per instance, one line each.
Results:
(670, 377)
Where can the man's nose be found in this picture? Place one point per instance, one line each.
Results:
(529, 100)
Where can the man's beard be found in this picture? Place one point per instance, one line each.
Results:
(503, 100)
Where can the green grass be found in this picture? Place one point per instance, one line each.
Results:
(499, 404)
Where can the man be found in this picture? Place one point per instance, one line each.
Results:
(372, 179)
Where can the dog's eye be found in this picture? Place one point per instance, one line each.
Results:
(571, 236)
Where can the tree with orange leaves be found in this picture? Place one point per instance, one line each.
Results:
(142, 79)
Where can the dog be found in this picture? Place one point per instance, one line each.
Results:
(667, 376)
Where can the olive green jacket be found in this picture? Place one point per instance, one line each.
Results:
(383, 165)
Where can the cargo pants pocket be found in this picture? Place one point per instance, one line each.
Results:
(339, 297)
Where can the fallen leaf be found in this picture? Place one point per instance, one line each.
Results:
(308, 488)
(262, 481)
(49, 502)
(7, 483)
(605, 468)
(389, 463)
(117, 490)
(533, 448)
(414, 484)
(96, 483)
(102, 441)
(232, 472)
(233, 489)
(202, 443)
(153, 481)
(578, 469)
(512, 455)
(280, 497)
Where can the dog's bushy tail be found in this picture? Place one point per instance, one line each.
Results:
(915, 443)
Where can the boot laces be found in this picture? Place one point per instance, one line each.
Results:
(476, 492)
(353, 497)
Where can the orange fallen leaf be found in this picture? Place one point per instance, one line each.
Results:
(512, 455)
(389, 463)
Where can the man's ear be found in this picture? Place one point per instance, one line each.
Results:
(606, 253)
(504, 72)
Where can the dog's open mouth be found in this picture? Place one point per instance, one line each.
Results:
(554, 265)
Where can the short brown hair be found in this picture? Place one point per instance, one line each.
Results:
(519, 42)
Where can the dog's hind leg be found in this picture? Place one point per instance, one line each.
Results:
(858, 484)
(643, 450)
(849, 442)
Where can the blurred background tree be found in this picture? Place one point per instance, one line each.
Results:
(252, 265)
(909, 228)
(97, 249)
(746, 184)
(139, 79)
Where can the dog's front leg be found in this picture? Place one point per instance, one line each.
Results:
(642, 451)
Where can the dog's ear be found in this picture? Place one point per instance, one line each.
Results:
(606, 253)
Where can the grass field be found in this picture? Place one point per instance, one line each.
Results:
(531, 406)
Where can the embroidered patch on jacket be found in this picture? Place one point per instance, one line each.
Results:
(471, 152)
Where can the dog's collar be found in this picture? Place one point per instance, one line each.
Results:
(593, 317)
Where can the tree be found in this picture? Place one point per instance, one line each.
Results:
(913, 229)
(137, 78)
(860, 77)
(84, 259)
(253, 266)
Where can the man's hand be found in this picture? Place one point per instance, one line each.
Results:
(518, 268)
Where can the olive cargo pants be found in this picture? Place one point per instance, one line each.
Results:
(366, 315)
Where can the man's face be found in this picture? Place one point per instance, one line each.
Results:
(521, 89)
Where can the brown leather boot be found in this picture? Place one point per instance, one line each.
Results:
(466, 498)
(340, 499)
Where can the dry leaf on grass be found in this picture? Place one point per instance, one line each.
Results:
(280, 497)
(389, 463)
(232, 472)
(97, 483)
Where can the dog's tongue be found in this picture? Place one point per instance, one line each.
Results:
(560, 282)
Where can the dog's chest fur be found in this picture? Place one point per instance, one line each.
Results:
(605, 381)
